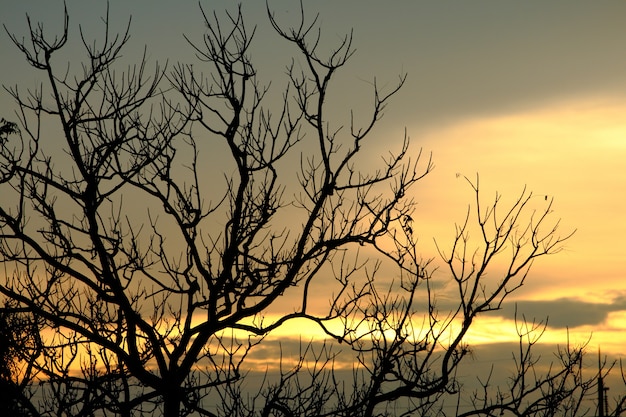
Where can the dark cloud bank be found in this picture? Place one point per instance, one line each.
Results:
(564, 312)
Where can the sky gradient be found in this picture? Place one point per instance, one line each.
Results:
(523, 93)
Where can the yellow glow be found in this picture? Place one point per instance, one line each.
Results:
(573, 152)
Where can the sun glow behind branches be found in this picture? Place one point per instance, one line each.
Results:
(572, 151)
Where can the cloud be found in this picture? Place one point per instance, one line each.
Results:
(564, 312)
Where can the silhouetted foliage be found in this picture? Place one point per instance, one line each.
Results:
(19, 342)
(153, 277)
(6, 128)
(8, 357)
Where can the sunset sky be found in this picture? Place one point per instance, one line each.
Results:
(523, 93)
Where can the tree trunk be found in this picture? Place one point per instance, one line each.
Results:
(171, 403)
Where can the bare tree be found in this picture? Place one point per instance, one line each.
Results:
(151, 279)
(409, 344)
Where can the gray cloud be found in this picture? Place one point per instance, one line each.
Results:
(564, 312)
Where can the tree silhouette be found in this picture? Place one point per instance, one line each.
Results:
(7, 128)
(151, 279)
(19, 347)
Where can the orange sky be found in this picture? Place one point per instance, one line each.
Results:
(573, 151)
(523, 93)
